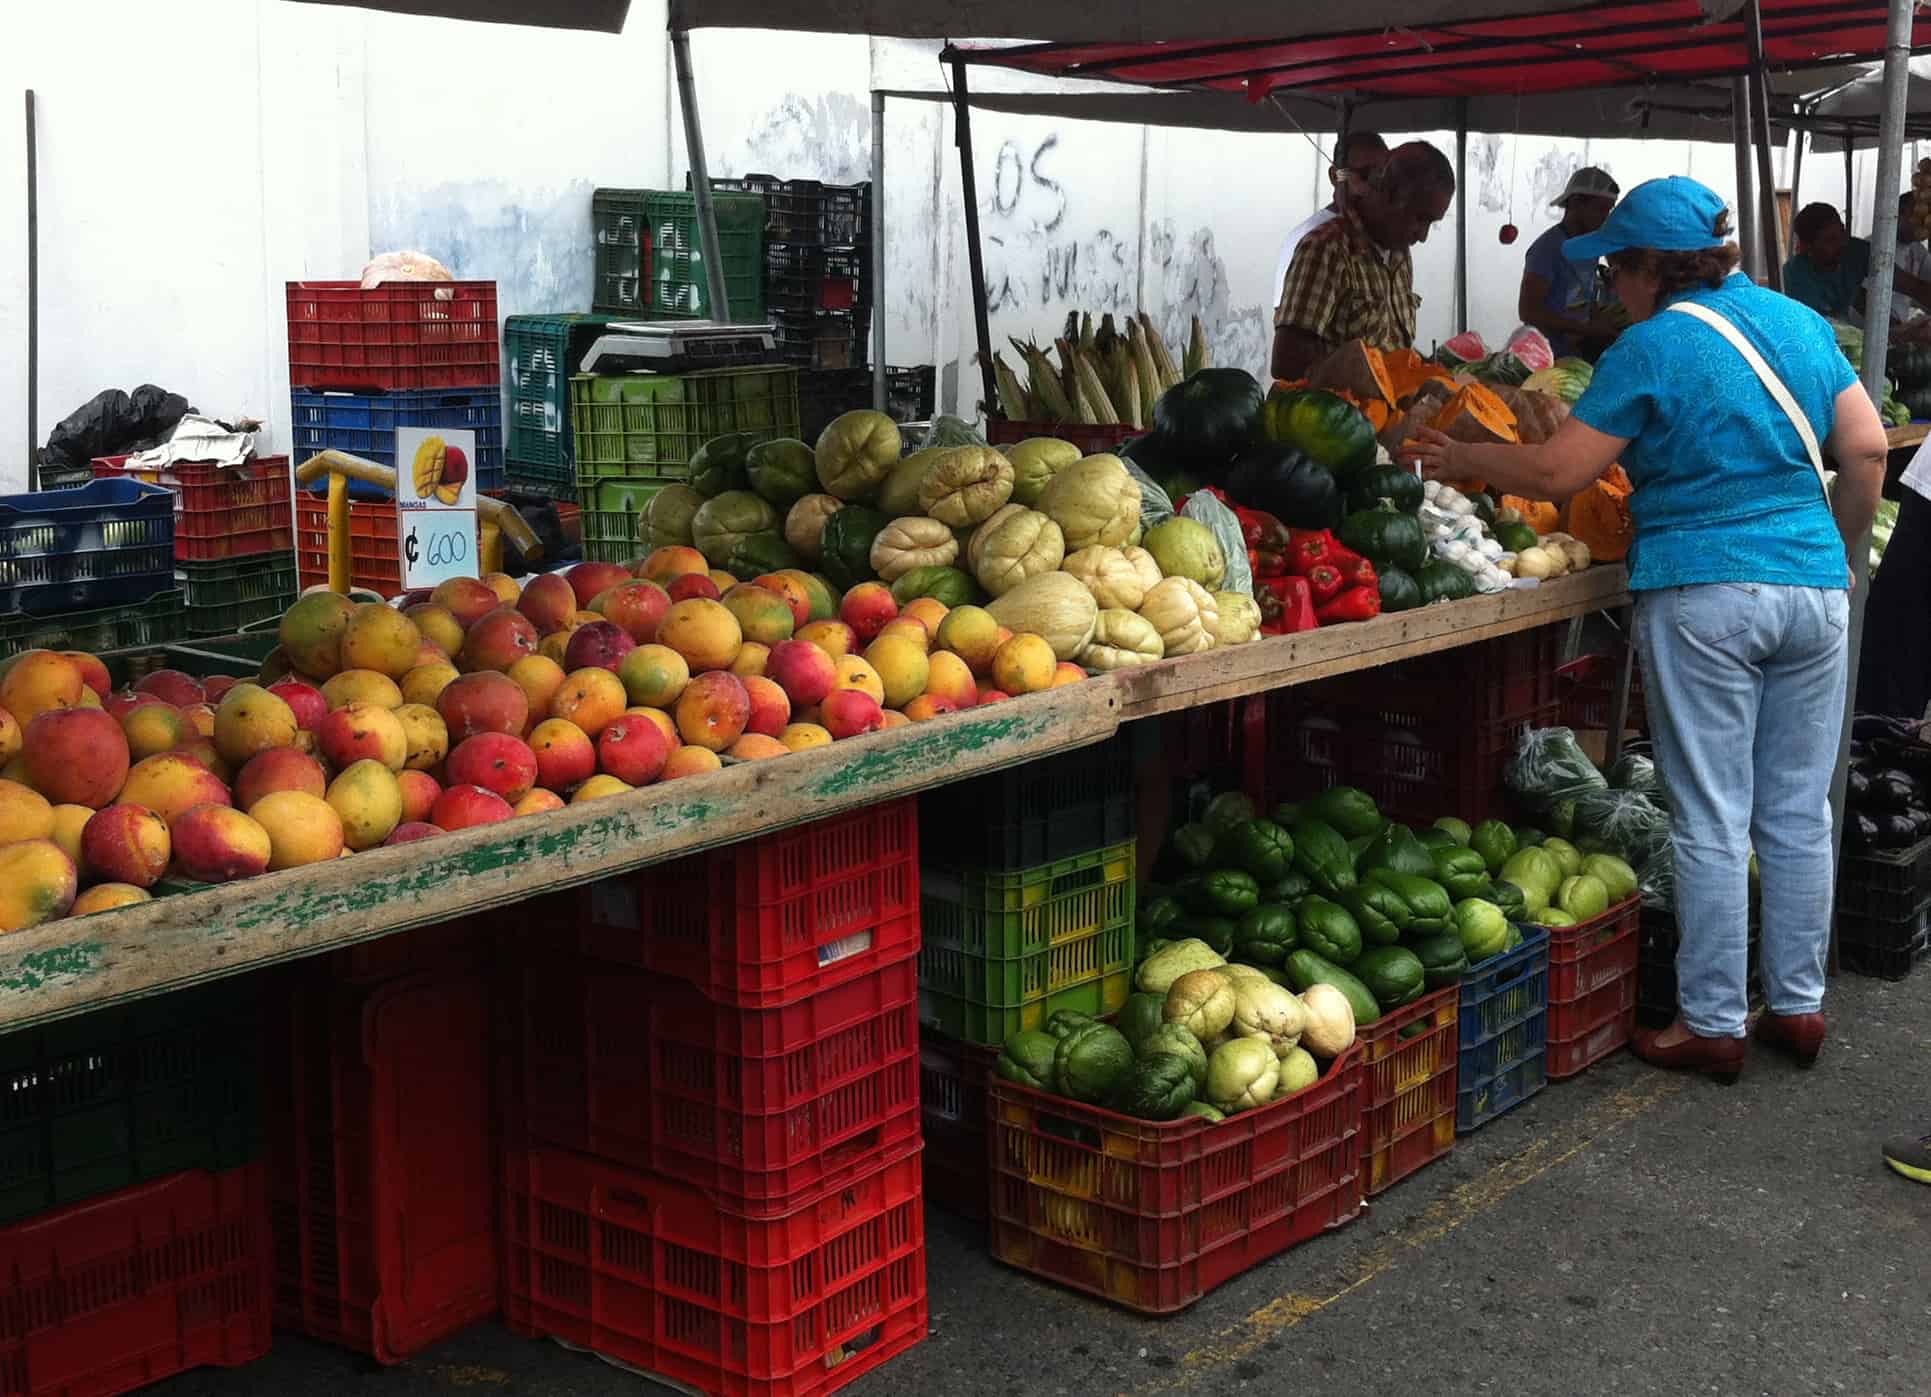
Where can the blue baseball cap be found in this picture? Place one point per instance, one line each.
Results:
(1670, 215)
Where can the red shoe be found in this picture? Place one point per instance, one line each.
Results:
(1677, 1047)
(1799, 1035)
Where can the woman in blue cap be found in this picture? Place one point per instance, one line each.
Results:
(1721, 401)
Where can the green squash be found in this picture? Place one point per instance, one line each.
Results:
(946, 585)
(724, 521)
(1210, 416)
(847, 545)
(1399, 591)
(1370, 486)
(783, 471)
(1440, 580)
(1393, 975)
(1332, 431)
(666, 520)
(1384, 535)
(1516, 537)
(718, 465)
(1155, 1088)
(757, 554)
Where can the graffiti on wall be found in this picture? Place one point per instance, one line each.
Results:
(1035, 260)
(1191, 278)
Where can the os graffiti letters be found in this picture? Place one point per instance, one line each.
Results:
(1037, 255)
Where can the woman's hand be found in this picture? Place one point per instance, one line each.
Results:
(1439, 455)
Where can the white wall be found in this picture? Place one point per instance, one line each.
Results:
(193, 157)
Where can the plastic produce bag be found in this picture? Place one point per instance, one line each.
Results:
(1656, 884)
(1203, 508)
(1548, 768)
(1629, 820)
(1635, 772)
(1156, 507)
(950, 431)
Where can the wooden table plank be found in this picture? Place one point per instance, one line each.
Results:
(1908, 437)
(78, 964)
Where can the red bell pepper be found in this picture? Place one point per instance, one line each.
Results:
(1355, 570)
(1306, 547)
(1267, 541)
(1355, 604)
(1325, 582)
(1286, 603)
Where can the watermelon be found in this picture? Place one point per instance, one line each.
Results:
(1532, 347)
(1566, 379)
(1465, 348)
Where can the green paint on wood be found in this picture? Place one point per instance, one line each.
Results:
(36, 968)
(936, 750)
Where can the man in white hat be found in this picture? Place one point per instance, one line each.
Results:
(1563, 299)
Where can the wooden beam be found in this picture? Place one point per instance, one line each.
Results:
(83, 963)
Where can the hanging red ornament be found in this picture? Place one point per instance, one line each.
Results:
(1509, 233)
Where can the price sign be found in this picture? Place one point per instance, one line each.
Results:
(436, 505)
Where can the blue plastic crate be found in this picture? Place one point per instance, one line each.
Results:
(1504, 1021)
(106, 543)
(364, 424)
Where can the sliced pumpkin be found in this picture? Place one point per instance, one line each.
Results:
(1356, 369)
(1599, 516)
(1537, 415)
(1475, 414)
(1539, 515)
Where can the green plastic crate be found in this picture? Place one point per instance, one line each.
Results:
(93, 1104)
(1010, 916)
(980, 1023)
(223, 597)
(649, 259)
(650, 425)
(609, 519)
(552, 482)
(156, 621)
(541, 353)
(238, 654)
(1013, 984)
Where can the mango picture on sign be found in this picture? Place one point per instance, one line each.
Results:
(439, 470)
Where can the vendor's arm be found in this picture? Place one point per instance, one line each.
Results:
(1860, 447)
(1916, 287)
(1310, 300)
(1556, 469)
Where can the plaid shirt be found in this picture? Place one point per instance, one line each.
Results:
(1341, 287)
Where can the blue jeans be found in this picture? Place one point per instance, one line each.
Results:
(1746, 703)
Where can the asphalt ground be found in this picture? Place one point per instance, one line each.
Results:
(1627, 1232)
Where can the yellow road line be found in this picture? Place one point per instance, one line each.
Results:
(1466, 1202)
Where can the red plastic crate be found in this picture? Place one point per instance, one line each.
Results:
(952, 1115)
(651, 1273)
(1416, 765)
(383, 1161)
(761, 1107)
(220, 512)
(772, 921)
(400, 334)
(1585, 957)
(375, 560)
(420, 950)
(1586, 687)
(1092, 438)
(121, 1291)
(1153, 1215)
(1591, 1028)
(1413, 1058)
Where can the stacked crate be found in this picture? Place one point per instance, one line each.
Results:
(92, 560)
(363, 361)
(383, 1143)
(1026, 899)
(636, 433)
(710, 1081)
(234, 537)
(1593, 977)
(541, 354)
(1884, 910)
(134, 1231)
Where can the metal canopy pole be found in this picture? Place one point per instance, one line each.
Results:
(1748, 233)
(33, 299)
(1850, 180)
(878, 251)
(1797, 173)
(975, 257)
(712, 250)
(1877, 331)
(1461, 214)
(1759, 86)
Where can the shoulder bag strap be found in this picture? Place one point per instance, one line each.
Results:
(1776, 386)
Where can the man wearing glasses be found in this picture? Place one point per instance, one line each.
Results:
(1355, 161)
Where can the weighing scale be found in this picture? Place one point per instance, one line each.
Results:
(678, 346)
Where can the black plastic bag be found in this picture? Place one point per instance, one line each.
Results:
(113, 423)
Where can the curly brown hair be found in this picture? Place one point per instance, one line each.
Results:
(1677, 272)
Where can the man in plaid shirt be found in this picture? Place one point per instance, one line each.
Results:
(1354, 278)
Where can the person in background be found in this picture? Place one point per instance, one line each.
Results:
(1911, 278)
(1561, 298)
(1828, 271)
(1356, 159)
(1741, 572)
(1894, 669)
(1354, 277)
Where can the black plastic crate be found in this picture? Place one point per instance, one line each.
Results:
(1885, 885)
(826, 339)
(806, 210)
(1037, 813)
(802, 280)
(1657, 940)
(911, 392)
(1887, 949)
(824, 394)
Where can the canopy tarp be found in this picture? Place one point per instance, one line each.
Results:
(1504, 51)
(605, 15)
(1853, 108)
(1083, 21)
